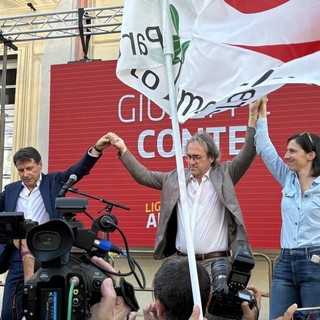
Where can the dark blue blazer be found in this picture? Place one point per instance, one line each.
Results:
(49, 187)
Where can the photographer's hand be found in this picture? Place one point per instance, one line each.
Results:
(196, 313)
(110, 307)
(252, 314)
(289, 313)
(150, 313)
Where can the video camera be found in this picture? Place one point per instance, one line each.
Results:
(13, 225)
(229, 281)
(67, 285)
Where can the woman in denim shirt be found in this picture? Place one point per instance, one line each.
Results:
(296, 276)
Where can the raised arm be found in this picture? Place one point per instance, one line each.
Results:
(265, 148)
(242, 161)
(254, 109)
(139, 172)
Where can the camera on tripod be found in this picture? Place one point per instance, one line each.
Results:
(66, 285)
(229, 281)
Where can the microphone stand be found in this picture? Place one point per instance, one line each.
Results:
(110, 204)
(108, 218)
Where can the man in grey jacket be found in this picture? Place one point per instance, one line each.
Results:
(212, 200)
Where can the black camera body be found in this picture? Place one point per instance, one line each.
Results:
(45, 293)
(229, 280)
(13, 225)
(67, 285)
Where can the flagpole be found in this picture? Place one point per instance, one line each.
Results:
(168, 54)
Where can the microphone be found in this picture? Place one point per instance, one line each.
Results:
(71, 181)
(107, 246)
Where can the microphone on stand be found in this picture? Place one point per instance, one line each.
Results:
(71, 181)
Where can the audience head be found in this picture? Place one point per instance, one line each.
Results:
(173, 291)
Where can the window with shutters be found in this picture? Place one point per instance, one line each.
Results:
(7, 132)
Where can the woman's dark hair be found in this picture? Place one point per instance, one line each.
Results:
(26, 154)
(309, 142)
(206, 141)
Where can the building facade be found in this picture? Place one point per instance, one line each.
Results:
(29, 115)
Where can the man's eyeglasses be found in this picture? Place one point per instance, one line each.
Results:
(195, 158)
(309, 137)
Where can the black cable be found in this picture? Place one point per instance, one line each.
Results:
(131, 262)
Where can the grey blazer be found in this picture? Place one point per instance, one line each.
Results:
(224, 176)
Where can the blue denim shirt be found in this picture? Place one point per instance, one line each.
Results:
(300, 213)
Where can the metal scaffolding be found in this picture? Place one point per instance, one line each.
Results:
(64, 24)
(82, 22)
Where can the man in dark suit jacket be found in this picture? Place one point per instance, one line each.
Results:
(35, 195)
(214, 210)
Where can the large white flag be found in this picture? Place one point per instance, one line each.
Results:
(227, 53)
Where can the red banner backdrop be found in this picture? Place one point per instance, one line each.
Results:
(87, 101)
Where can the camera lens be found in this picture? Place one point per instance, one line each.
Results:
(220, 270)
(46, 240)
